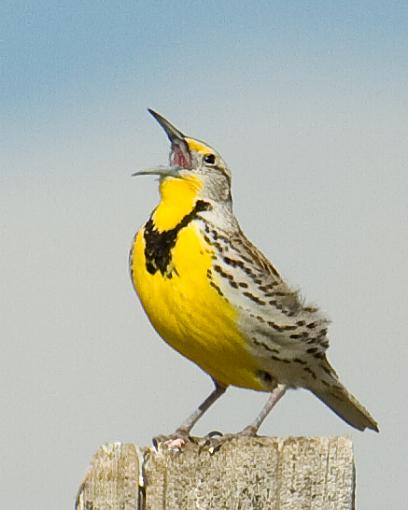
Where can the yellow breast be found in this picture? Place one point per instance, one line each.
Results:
(189, 313)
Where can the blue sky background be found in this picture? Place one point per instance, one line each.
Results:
(66, 63)
(308, 103)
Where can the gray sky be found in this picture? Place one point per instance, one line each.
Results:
(309, 107)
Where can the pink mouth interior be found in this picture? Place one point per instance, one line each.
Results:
(180, 157)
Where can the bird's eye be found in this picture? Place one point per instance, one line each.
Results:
(209, 158)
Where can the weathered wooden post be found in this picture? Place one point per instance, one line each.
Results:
(245, 473)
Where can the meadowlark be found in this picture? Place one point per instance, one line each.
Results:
(216, 299)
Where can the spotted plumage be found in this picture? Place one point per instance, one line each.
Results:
(215, 298)
(285, 328)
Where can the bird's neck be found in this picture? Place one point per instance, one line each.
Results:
(178, 198)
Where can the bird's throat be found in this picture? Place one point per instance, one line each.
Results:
(178, 199)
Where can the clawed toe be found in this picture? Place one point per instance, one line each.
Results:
(214, 433)
(174, 441)
(212, 442)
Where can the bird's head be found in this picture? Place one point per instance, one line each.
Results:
(195, 162)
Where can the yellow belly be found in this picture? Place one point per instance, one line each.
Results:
(190, 315)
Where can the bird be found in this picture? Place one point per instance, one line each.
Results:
(217, 300)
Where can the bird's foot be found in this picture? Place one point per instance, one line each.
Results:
(249, 431)
(175, 441)
(213, 441)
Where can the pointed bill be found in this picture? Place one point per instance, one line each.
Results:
(162, 171)
(180, 153)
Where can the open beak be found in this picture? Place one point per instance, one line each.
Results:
(180, 156)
